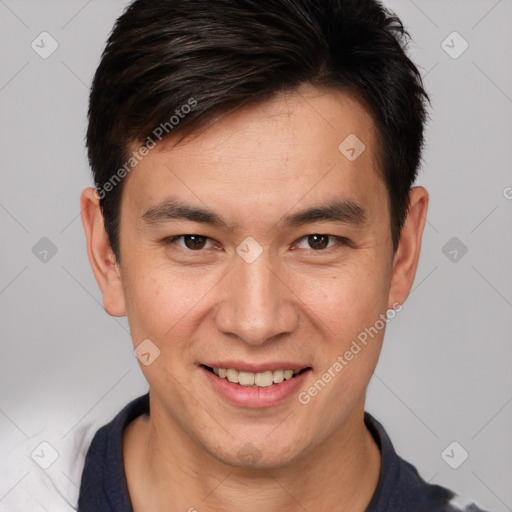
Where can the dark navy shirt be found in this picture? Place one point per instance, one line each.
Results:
(400, 488)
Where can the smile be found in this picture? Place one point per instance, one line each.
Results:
(268, 386)
(255, 380)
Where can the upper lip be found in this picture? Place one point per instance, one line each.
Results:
(257, 367)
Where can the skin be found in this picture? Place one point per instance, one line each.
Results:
(295, 303)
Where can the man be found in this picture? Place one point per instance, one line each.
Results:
(254, 215)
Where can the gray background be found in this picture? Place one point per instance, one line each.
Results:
(444, 375)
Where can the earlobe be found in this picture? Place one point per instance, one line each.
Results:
(101, 257)
(405, 261)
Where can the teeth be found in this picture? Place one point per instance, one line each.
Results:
(288, 374)
(262, 379)
(232, 375)
(245, 378)
(278, 376)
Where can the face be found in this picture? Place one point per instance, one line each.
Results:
(258, 246)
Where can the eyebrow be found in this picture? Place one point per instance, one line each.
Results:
(342, 212)
(172, 209)
(336, 211)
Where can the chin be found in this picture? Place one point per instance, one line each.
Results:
(257, 452)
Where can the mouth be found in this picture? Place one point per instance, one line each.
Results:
(263, 379)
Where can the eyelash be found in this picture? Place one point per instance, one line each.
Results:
(341, 241)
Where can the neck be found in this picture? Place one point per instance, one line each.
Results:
(166, 470)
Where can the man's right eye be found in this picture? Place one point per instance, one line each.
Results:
(190, 242)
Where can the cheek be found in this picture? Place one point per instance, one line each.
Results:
(163, 304)
(347, 300)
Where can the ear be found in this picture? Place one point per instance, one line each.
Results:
(405, 260)
(101, 257)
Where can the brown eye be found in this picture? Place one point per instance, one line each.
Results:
(191, 242)
(194, 242)
(316, 242)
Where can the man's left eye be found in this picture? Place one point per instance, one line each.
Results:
(318, 242)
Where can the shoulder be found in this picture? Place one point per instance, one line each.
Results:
(402, 489)
(103, 484)
(430, 497)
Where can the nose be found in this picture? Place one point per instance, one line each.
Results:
(256, 303)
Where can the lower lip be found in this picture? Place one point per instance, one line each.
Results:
(255, 397)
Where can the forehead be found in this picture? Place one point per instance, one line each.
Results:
(298, 147)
